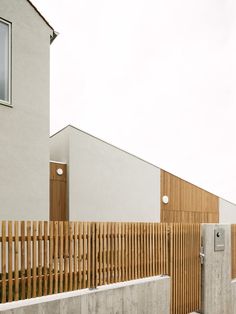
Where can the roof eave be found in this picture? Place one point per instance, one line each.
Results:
(55, 34)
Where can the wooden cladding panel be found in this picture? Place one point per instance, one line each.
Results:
(187, 203)
(54, 257)
(58, 192)
(53, 171)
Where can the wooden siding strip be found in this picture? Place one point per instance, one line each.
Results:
(187, 202)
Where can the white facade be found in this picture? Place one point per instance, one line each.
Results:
(227, 211)
(24, 125)
(104, 182)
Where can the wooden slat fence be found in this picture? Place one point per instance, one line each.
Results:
(42, 258)
(233, 248)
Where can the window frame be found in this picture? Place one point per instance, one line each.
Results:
(9, 102)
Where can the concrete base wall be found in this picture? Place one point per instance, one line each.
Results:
(233, 293)
(216, 272)
(146, 296)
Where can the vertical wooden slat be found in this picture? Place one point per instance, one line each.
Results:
(16, 261)
(45, 259)
(119, 271)
(138, 250)
(22, 260)
(142, 251)
(10, 283)
(105, 265)
(112, 254)
(61, 258)
(55, 256)
(126, 252)
(71, 228)
(66, 256)
(132, 250)
(93, 253)
(97, 232)
(123, 251)
(50, 257)
(108, 252)
(34, 259)
(28, 259)
(115, 251)
(3, 262)
(40, 257)
(233, 241)
(90, 235)
(84, 233)
(80, 253)
(102, 256)
(75, 256)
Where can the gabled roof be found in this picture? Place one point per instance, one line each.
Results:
(55, 34)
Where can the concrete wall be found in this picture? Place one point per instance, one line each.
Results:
(106, 183)
(227, 211)
(24, 127)
(216, 272)
(146, 296)
(233, 286)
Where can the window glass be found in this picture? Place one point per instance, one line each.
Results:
(4, 62)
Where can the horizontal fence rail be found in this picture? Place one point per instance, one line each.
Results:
(43, 258)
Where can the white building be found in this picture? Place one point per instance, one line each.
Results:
(25, 39)
(105, 183)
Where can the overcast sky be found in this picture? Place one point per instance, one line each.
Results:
(156, 78)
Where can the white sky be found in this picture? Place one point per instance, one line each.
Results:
(156, 78)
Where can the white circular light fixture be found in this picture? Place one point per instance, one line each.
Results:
(59, 171)
(165, 199)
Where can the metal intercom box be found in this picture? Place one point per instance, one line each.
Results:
(219, 239)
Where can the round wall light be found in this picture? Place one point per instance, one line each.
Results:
(165, 199)
(59, 171)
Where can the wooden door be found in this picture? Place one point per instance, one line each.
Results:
(58, 192)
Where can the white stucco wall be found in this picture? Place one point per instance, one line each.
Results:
(106, 183)
(227, 211)
(24, 128)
